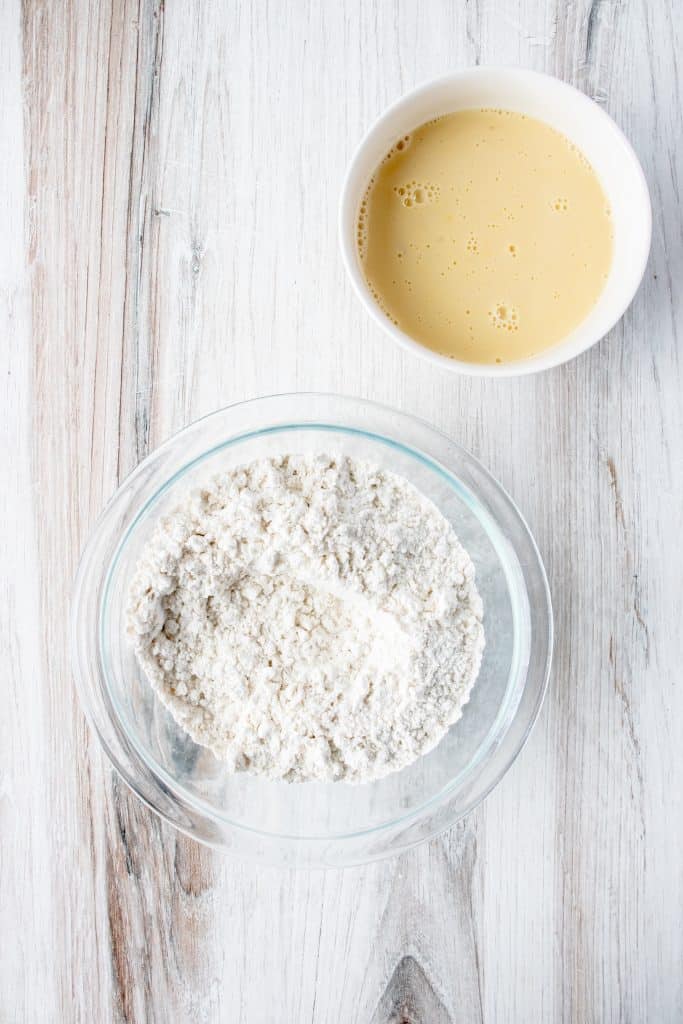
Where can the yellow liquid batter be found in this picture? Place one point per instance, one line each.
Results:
(485, 235)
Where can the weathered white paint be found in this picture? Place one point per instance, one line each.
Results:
(167, 213)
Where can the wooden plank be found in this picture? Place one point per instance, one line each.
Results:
(171, 175)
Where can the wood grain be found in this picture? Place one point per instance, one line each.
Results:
(170, 176)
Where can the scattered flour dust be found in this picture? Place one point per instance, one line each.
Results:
(309, 617)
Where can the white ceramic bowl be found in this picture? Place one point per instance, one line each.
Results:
(565, 109)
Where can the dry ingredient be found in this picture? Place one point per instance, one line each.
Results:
(309, 617)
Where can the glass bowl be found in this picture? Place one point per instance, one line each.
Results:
(314, 823)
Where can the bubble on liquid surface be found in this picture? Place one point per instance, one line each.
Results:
(361, 223)
(504, 317)
(417, 193)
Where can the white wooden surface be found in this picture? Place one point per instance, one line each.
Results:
(169, 180)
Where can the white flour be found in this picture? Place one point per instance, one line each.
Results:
(309, 617)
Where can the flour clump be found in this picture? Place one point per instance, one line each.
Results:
(308, 617)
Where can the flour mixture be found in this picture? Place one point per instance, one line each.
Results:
(309, 617)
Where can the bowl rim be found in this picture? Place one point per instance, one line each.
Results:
(441, 797)
(561, 352)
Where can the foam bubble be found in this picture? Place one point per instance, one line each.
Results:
(504, 317)
(417, 193)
